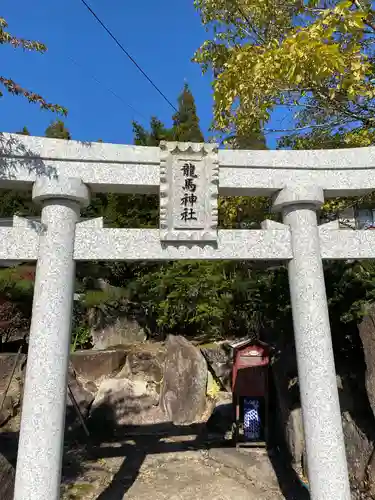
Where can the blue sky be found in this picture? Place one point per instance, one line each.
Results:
(161, 36)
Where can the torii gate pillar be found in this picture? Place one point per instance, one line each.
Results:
(41, 440)
(325, 447)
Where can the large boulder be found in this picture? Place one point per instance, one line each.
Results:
(124, 383)
(7, 477)
(121, 402)
(367, 334)
(359, 449)
(183, 392)
(93, 365)
(145, 362)
(284, 371)
(113, 331)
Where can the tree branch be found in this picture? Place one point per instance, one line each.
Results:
(250, 25)
(306, 127)
(6, 37)
(366, 19)
(16, 89)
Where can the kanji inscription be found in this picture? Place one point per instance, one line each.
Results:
(189, 178)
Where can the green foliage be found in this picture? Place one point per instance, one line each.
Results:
(314, 56)
(15, 286)
(185, 121)
(9, 84)
(57, 130)
(158, 132)
(102, 298)
(16, 203)
(81, 338)
(24, 131)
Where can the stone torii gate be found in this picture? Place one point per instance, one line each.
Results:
(62, 174)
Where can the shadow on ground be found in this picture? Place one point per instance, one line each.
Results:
(132, 445)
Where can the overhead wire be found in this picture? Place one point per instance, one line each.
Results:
(128, 55)
(108, 89)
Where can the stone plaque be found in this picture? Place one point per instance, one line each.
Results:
(189, 177)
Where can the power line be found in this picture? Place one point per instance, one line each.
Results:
(127, 54)
(93, 77)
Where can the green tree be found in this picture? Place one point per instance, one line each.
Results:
(24, 131)
(316, 57)
(185, 121)
(57, 130)
(12, 87)
(158, 132)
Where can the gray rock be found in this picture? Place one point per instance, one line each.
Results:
(358, 449)
(7, 477)
(183, 392)
(145, 362)
(295, 437)
(121, 402)
(370, 479)
(7, 411)
(93, 365)
(7, 361)
(83, 397)
(288, 401)
(367, 334)
(219, 357)
(13, 398)
(114, 331)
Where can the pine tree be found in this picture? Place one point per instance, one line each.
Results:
(24, 131)
(141, 136)
(158, 132)
(57, 130)
(186, 122)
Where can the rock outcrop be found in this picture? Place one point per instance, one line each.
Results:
(109, 332)
(183, 393)
(121, 402)
(367, 334)
(7, 477)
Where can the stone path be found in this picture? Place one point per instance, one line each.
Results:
(150, 468)
(196, 478)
